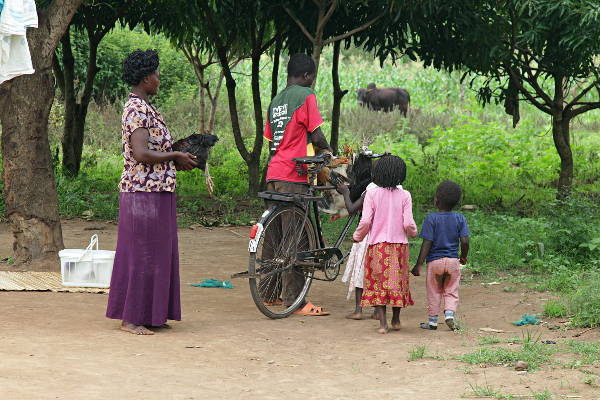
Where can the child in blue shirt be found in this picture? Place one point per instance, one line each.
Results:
(441, 233)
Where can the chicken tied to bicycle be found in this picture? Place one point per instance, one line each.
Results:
(353, 170)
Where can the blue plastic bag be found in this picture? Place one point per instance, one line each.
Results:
(528, 319)
(213, 283)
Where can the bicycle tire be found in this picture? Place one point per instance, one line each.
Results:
(274, 258)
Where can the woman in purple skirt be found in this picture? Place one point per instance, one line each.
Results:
(144, 288)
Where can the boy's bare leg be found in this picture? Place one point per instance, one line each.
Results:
(357, 314)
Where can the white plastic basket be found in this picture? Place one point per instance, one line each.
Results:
(86, 268)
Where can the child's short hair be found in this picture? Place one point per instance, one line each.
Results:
(448, 194)
(389, 171)
(299, 64)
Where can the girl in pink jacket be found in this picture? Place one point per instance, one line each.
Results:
(387, 218)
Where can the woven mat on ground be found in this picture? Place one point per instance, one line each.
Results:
(40, 281)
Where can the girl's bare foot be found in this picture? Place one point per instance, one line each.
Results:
(396, 325)
(135, 329)
(355, 315)
(382, 329)
(375, 315)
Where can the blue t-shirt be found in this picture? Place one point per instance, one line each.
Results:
(444, 229)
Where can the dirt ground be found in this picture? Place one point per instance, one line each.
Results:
(60, 345)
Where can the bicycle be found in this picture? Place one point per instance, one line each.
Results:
(287, 246)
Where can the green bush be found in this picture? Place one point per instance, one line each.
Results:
(584, 303)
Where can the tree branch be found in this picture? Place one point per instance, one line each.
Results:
(306, 33)
(534, 83)
(515, 78)
(584, 92)
(58, 73)
(59, 15)
(352, 32)
(326, 18)
(585, 108)
(113, 20)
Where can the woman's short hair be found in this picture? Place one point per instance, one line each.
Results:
(138, 65)
(299, 64)
(389, 171)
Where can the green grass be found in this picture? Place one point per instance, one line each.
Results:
(530, 350)
(555, 309)
(419, 352)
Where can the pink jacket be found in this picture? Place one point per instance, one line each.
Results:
(387, 216)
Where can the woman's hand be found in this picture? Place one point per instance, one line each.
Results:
(184, 161)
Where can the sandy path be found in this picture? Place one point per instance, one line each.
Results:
(60, 345)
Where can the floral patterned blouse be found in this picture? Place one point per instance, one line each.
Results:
(138, 177)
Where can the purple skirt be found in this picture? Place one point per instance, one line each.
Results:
(144, 288)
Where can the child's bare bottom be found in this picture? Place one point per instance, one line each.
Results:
(443, 278)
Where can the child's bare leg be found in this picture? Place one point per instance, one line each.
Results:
(383, 326)
(375, 315)
(396, 318)
(357, 314)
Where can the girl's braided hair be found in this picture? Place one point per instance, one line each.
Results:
(389, 171)
(138, 65)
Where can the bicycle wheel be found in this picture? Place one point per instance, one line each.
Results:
(277, 285)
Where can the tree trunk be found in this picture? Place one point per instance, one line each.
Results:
(275, 71)
(76, 110)
(29, 186)
(69, 161)
(562, 141)
(201, 100)
(338, 94)
(274, 90)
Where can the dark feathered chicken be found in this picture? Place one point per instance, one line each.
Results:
(197, 145)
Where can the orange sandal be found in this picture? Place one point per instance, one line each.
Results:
(311, 309)
(273, 303)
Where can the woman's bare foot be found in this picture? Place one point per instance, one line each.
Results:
(355, 315)
(163, 326)
(375, 315)
(135, 329)
(396, 325)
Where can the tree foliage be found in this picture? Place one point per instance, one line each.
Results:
(540, 51)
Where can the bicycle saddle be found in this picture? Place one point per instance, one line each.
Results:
(321, 158)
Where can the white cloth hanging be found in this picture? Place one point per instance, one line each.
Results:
(15, 17)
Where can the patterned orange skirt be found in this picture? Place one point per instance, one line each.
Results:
(386, 276)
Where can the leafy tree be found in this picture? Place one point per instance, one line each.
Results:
(331, 21)
(232, 29)
(321, 25)
(29, 186)
(96, 20)
(182, 25)
(544, 52)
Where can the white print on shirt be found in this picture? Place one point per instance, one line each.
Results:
(280, 115)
